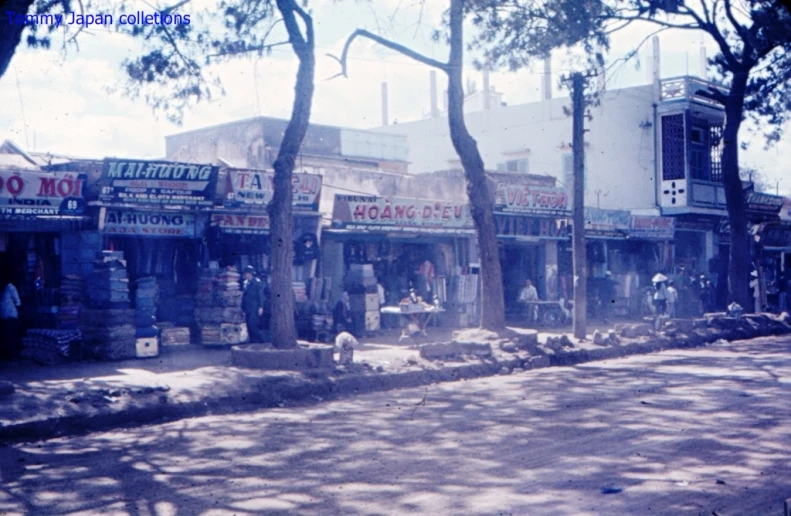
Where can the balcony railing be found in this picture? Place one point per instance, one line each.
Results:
(691, 89)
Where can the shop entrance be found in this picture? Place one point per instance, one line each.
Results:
(520, 262)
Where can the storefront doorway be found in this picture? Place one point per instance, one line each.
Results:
(520, 262)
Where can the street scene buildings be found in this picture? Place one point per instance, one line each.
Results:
(573, 304)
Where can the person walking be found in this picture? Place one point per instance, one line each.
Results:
(9, 317)
(253, 304)
(672, 299)
(660, 293)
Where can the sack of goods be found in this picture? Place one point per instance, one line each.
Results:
(49, 347)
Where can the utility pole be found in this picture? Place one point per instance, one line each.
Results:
(578, 235)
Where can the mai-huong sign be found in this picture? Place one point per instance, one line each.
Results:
(248, 188)
(526, 199)
(394, 214)
(157, 182)
(149, 224)
(25, 195)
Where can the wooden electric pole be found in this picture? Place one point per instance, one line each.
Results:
(578, 234)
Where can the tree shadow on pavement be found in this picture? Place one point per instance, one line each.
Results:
(680, 432)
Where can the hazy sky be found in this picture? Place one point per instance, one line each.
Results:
(57, 104)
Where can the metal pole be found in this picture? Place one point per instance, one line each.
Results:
(578, 235)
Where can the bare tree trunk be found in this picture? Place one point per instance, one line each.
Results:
(11, 35)
(739, 268)
(578, 236)
(280, 209)
(481, 203)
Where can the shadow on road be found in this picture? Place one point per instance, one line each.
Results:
(681, 432)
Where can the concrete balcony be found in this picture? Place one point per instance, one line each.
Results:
(690, 89)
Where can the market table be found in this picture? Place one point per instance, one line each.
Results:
(415, 323)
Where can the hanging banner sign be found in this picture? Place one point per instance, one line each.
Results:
(241, 224)
(764, 203)
(533, 200)
(607, 222)
(394, 214)
(157, 182)
(256, 187)
(25, 195)
(540, 227)
(147, 224)
(650, 227)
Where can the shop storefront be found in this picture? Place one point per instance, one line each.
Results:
(239, 234)
(40, 215)
(156, 213)
(532, 233)
(402, 244)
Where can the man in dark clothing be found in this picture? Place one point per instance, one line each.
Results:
(253, 304)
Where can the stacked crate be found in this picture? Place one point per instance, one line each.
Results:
(360, 283)
(219, 308)
(108, 322)
(147, 334)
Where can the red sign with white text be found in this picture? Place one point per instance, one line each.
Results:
(256, 187)
(31, 194)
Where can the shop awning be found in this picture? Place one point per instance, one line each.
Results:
(46, 224)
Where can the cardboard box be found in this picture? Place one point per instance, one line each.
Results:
(364, 302)
(372, 321)
(147, 347)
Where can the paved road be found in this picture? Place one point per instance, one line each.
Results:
(676, 433)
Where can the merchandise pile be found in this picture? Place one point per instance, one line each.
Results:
(50, 347)
(219, 314)
(360, 282)
(108, 322)
(71, 298)
(176, 309)
(146, 298)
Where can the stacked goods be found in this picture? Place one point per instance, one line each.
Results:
(146, 334)
(49, 347)
(178, 309)
(360, 282)
(71, 289)
(175, 336)
(219, 314)
(300, 291)
(108, 325)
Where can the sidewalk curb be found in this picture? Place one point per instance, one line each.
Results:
(271, 392)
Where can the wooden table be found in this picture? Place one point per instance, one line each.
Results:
(419, 319)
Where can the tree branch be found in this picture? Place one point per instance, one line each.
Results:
(740, 29)
(401, 49)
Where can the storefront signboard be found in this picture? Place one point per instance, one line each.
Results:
(397, 214)
(27, 195)
(531, 200)
(157, 182)
(149, 224)
(774, 235)
(522, 226)
(256, 187)
(764, 203)
(614, 223)
(785, 211)
(241, 224)
(650, 227)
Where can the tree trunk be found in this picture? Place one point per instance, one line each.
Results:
(481, 203)
(11, 35)
(281, 208)
(739, 267)
(578, 227)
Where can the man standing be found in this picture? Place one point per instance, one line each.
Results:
(253, 303)
(672, 299)
(527, 296)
